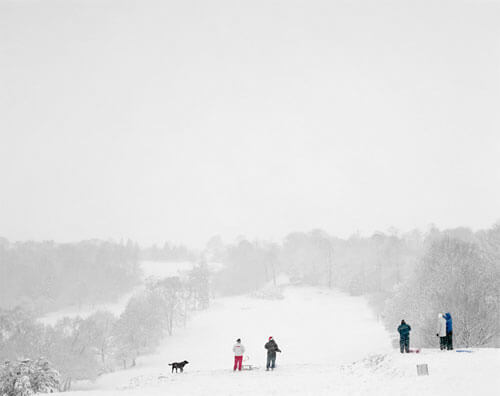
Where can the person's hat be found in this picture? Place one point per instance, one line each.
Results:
(238, 340)
(270, 338)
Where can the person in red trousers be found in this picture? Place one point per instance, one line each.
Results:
(238, 350)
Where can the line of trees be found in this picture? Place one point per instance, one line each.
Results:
(410, 276)
(357, 265)
(46, 276)
(83, 348)
(169, 253)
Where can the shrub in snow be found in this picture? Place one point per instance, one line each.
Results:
(269, 293)
(28, 377)
(44, 379)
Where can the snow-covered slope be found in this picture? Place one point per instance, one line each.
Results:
(450, 373)
(332, 344)
(85, 310)
(162, 269)
(150, 269)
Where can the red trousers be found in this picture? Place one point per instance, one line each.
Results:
(238, 360)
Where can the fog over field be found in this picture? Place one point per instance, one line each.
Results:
(180, 120)
(179, 175)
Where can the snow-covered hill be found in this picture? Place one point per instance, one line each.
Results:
(162, 269)
(332, 344)
(150, 269)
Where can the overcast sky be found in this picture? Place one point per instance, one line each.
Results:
(178, 120)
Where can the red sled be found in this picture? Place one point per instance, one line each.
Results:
(414, 350)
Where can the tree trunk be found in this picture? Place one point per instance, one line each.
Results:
(66, 385)
(330, 267)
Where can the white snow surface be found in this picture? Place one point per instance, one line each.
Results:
(331, 343)
(86, 310)
(150, 269)
(161, 269)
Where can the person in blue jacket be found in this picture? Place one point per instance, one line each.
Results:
(404, 337)
(449, 331)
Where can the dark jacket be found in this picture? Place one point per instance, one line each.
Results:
(449, 322)
(404, 330)
(272, 348)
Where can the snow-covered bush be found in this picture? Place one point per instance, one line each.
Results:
(28, 377)
(269, 293)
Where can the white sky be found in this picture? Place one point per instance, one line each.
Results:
(179, 120)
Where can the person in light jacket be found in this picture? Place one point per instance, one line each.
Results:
(238, 350)
(441, 331)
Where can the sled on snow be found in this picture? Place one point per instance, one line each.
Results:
(248, 366)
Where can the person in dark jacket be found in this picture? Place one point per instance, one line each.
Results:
(449, 331)
(404, 337)
(272, 348)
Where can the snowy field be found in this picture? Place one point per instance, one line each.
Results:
(159, 269)
(332, 344)
(150, 269)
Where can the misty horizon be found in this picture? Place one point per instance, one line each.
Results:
(279, 239)
(173, 122)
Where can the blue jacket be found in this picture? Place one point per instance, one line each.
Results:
(449, 322)
(404, 330)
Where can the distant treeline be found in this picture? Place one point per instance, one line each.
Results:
(45, 276)
(168, 253)
(411, 276)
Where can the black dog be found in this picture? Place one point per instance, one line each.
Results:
(178, 365)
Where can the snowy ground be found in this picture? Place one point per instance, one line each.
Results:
(331, 344)
(155, 269)
(159, 269)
